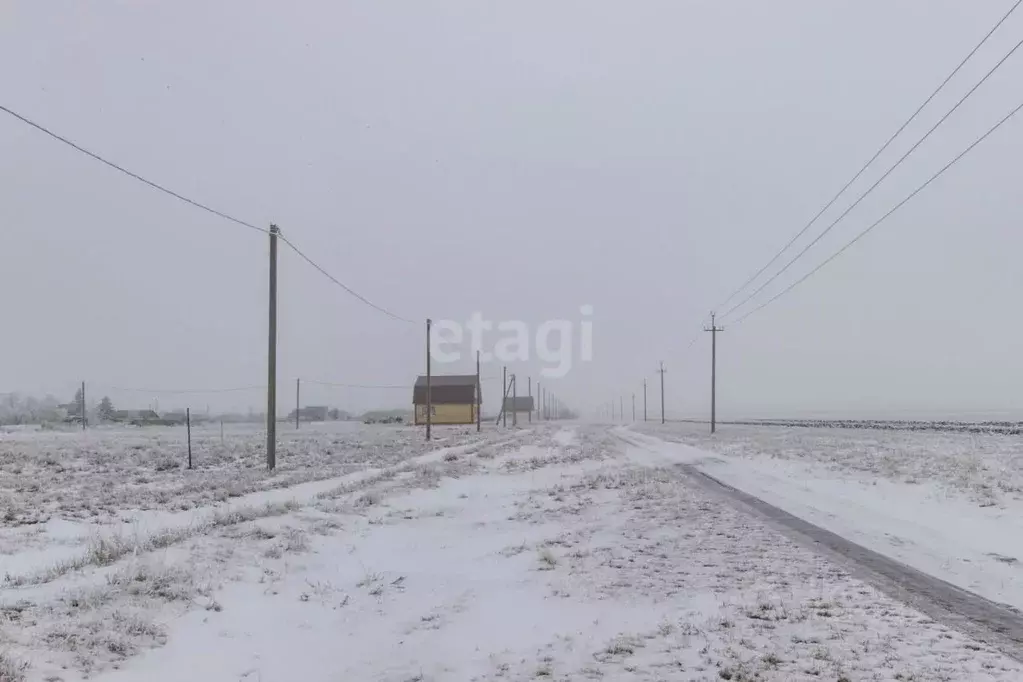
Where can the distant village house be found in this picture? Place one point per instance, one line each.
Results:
(314, 413)
(453, 399)
(519, 405)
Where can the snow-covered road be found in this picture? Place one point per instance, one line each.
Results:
(925, 524)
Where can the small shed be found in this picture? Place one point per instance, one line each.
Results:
(453, 399)
(311, 413)
(522, 404)
(134, 416)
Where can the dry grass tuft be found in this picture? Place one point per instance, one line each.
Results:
(296, 541)
(548, 560)
(12, 670)
(106, 550)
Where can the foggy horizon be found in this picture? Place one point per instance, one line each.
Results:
(519, 161)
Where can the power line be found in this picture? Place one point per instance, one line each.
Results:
(885, 216)
(873, 158)
(130, 174)
(339, 385)
(879, 181)
(197, 204)
(382, 386)
(338, 282)
(182, 391)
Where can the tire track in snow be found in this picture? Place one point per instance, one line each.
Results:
(998, 625)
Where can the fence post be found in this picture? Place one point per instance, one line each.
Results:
(188, 425)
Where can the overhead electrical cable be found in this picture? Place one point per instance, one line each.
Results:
(870, 189)
(197, 204)
(884, 217)
(871, 160)
(136, 176)
(339, 283)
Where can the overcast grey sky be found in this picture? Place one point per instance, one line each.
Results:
(520, 159)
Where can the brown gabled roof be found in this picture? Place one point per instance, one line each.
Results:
(447, 380)
(446, 389)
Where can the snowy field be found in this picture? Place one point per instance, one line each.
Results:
(985, 468)
(62, 491)
(71, 474)
(947, 504)
(551, 552)
(1005, 427)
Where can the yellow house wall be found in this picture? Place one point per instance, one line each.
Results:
(448, 414)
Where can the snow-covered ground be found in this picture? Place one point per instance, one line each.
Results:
(62, 490)
(546, 553)
(947, 504)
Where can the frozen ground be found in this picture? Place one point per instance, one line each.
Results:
(60, 490)
(947, 504)
(984, 468)
(74, 475)
(1006, 427)
(550, 553)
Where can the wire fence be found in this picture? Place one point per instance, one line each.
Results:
(313, 400)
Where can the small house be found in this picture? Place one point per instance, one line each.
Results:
(522, 404)
(136, 417)
(453, 399)
(312, 413)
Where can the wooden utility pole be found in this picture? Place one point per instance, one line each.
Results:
(515, 401)
(661, 371)
(644, 399)
(479, 395)
(713, 329)
(188, 425)
(530, 379)
(504, 395)
(429, 393)
(298, 401)
(271, 359)
(85, 417)
(539, 402)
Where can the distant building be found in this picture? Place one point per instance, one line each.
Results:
(313, 413)
(135, 416)
(522, 404)
(453, 399)
(71, 411)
